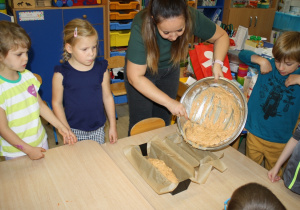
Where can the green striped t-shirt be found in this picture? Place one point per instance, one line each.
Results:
(19, 100)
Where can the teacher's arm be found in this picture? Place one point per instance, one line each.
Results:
(136, 77)
(220, 40)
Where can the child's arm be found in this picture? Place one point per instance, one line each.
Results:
(265, 65)
(57, 102)
(49, 116)
(293, 79)
(109, 105)
(252, 59)
(286, 153)
(34, 153)
(57, 98)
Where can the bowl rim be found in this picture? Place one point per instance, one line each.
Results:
(244, 101)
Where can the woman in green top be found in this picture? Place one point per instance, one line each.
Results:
(159, 40)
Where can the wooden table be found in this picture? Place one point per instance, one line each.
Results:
(89, 176)
(211, 195)
(81, 176)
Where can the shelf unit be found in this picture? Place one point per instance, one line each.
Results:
(209, 11)
(120, 15)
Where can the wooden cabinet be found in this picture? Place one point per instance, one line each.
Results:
(45, 27)
(258, 21)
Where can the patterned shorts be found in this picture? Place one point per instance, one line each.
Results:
(96, 135)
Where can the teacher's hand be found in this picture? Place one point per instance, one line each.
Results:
(176, 108)
(217, 71)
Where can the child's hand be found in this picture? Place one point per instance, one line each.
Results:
(35, 153)
(265, 66)
(272, 174)
(113, 135)
(68, 136)
(293, 79)
(73, 138)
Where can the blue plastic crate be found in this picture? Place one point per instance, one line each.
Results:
(286, 22)
(121, 99)
(116, 80)
(115, 25)
(116, 53)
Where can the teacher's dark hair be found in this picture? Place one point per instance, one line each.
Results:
(157, 11)
(254, 196)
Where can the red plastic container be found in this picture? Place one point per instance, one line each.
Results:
(242, 72)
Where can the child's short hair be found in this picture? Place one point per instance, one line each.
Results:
(76, 28)
(287, 46)
(12, 36)
(254, 196)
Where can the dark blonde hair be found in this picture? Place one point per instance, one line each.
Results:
(157, 11)
(254, 196)
(83, 29)
(287, 46)
(12, 36)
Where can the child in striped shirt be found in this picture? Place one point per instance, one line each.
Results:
(21, 130)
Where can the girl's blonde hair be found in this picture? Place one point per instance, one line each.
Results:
(74, 29)
(287, 46)
(157, 11)
(12, 36)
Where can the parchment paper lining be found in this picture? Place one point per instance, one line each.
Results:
(185, 161)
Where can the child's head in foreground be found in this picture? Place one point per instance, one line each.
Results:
(12, 38)
(254, 196)
(286, 52)
(78, 31)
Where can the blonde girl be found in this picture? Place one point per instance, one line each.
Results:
(81, 85)
(21, 130)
